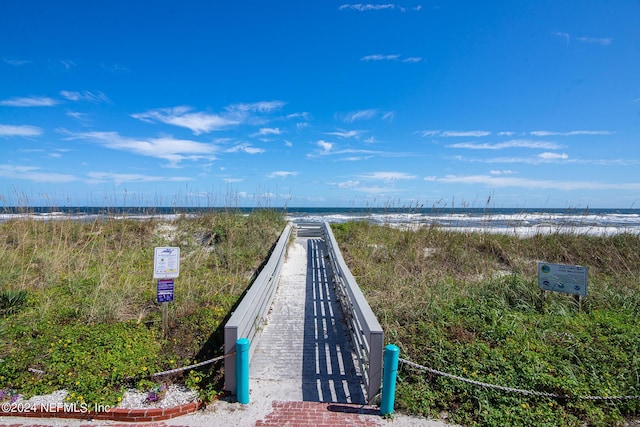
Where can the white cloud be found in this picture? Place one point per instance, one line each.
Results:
(492, 181)
(16, 62)
(348, 184)
(412, 59)
(116, 69)
(553, 156)
(360, 115)
(533, 160)
(426, 133)
(572, 133)
(181, 116)
(304, 115)
(268, 131)
(346, 133)
(366, 7)
(31, 173)
(565, 36)
(199, 122)
(167, 148)
(388, 176)
(471, 133)
(67, 64)
(9, 130)
(455, 133)
(233, 180)
(87, 96)
(288, 143)
(121, 178)
(601, 41)
(502, 172)
(325, 146)
(282, 174)
(255, 107)
(80, 117)
(379, 57)
(388, 115)
(29, 101)
(245, 148)
(516, 143)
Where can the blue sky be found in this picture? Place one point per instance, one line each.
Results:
(525, 104)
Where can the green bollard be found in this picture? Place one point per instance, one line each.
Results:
(242, 370)
(391, 356)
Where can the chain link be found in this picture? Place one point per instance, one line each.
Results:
(511, 389)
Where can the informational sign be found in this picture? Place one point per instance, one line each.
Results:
(165, 290)
(570, 279)
(166, 263)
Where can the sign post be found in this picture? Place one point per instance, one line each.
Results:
(166, 267)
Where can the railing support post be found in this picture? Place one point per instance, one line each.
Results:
(242, 370)
(391, 356)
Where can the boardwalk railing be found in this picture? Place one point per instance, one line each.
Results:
(309, 229)
(366, 332)
(251, 313)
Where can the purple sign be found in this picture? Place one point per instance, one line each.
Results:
(165, 290)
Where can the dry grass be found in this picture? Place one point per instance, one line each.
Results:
(82, 278)
(469, 304)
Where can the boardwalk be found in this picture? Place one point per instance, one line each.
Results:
(302, 371)
(304, 352)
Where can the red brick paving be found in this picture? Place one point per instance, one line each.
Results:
(91, 425)
(305, 414)
(284, 414)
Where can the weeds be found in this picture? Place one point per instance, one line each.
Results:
(79, 307)
(469, 304)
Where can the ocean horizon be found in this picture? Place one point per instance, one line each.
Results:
(517, 221)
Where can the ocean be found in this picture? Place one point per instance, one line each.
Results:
(516, 221)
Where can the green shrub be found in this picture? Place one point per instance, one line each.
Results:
(469, 304)
(86, 317)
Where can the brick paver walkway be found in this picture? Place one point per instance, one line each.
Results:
(294, 414)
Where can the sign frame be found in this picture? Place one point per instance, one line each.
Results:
(568, 279)
(166, 262)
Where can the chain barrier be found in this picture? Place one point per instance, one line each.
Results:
(196, 365)
(511, 389)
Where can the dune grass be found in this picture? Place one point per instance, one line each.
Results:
(469, 304)
(78, 306)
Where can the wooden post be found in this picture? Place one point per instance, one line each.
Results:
(165, 319)
(578, 299)
(543, 299)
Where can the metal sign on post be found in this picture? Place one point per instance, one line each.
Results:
(166, 263)
(165, 290)
(166, 267)
(569, 279)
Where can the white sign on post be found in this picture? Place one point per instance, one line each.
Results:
(166, 263)
(570, 279)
